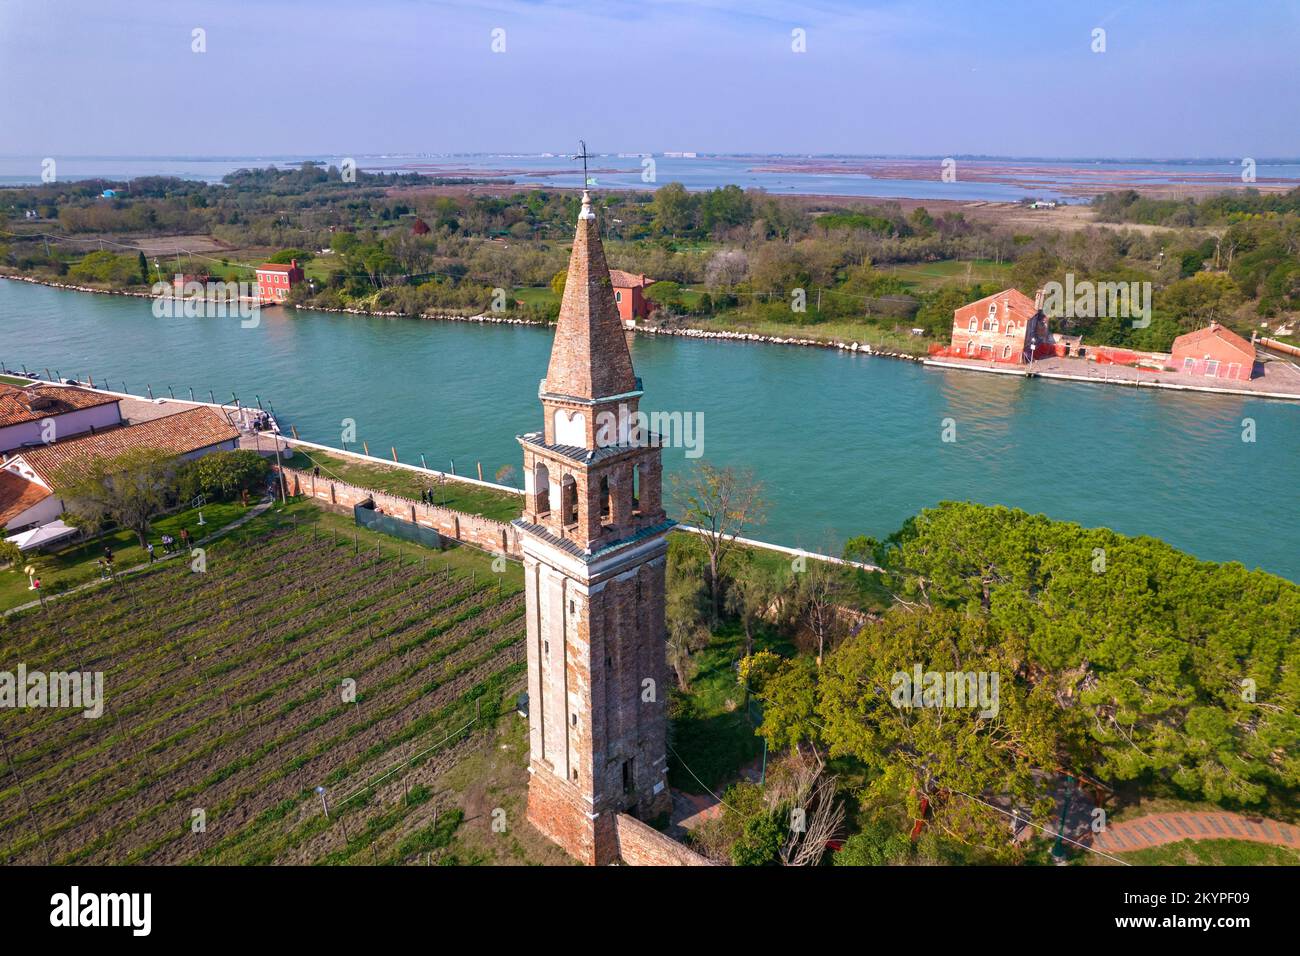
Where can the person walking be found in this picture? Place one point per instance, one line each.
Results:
(108, 555)
(149, 548)
(185, 539)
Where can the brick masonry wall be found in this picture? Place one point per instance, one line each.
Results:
(495, 536)
(641, 845)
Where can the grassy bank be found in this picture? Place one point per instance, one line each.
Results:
(830, 331)
(458, 495)
(62, 570)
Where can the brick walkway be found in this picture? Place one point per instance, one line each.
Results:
(1161, 828)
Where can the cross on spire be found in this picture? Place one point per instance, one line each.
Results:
(584, 155)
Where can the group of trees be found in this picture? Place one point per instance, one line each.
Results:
(129, 490)
(109, 268)
(1120, 660)
(738, 251)
(1255, 242)
(1127, 205)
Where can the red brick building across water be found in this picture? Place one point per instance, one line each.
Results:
(1007, 326)
(629, 295)
(274, 280)
(1214, 352)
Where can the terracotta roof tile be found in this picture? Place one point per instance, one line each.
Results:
(15, 402)
(17, 494)
(1214, 330)
(589, 357)
(178, 434)
(1021, 306)
(628, 280)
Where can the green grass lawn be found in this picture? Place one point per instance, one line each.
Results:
(536, 295)
(14, 380)
(459, 495)
(926, 276)
(861, 331)
(712, 727)
(76, 565)
(861, 589)
(319, 267)
(1209, 853)
(712, 735)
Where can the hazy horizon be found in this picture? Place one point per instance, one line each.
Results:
(740, 154)
(1018, 79)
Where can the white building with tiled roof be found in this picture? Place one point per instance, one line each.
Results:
(29, 480)
(40, 413)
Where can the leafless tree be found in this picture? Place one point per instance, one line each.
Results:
(750, 596)
(722, 503)
(810, 794)
(726, 269)
(820, 593)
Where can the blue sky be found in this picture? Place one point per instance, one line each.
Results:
(1177, 79)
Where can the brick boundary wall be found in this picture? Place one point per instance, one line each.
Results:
(495, 536)
(642, 845)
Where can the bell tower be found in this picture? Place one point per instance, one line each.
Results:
(594, 540)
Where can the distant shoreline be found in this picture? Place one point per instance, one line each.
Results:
(485, 319)
(727, 335)
(902, 176)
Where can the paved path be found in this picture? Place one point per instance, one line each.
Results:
(1161, 828)
(249, 515)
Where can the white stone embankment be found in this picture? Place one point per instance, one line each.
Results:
(78, 288)
(484, 318)
(431, 316)
(692, 333)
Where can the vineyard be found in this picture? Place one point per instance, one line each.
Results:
(306, 656)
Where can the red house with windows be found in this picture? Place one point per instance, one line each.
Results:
(629, 295)
(1214, 352)
(275, 280)
(1007, 326)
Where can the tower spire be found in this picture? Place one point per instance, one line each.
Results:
(589, 358)
(594, 538)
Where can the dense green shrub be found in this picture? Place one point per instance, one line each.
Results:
(222, 475)
(877, 844)
(760, 842)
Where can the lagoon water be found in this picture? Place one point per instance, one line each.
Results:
(845, 444)
(1035, 178)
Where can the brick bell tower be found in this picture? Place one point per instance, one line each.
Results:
(594, 540)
